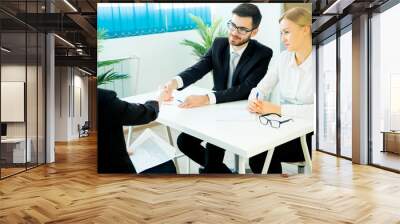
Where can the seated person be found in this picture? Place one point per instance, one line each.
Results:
(113, 113)
(293, 73)
(237, 63)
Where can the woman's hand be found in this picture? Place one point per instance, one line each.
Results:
(263, 107)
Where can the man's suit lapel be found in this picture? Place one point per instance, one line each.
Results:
(225, 62)
(243, 61)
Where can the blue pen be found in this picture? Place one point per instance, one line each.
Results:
(257, 96)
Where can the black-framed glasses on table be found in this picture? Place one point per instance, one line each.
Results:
(266, 119)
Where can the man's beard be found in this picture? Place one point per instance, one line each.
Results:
(241, 42)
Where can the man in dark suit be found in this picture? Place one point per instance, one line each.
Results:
(113, 113)
(238, 63)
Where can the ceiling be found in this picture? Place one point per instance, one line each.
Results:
(332, 15)
(74, 22)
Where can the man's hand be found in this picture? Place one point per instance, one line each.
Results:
(168, 88)
(161, 95)
(130, 151)
(195, 101)
(263, 107)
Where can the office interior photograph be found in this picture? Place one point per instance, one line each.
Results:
(131, 46)
(48, 151)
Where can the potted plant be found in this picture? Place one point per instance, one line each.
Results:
(109, 75)
(207, 33)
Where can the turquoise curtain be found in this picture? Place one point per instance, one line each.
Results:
(127, 19)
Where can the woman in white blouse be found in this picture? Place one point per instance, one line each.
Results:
(293, 74)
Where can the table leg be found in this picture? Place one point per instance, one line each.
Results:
(171, 142)
(241, 165)
(267, 161)
(237, 163)
(306, 154)
(169, 136)
(128, 141)
(384, 142)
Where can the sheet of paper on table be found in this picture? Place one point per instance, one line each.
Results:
(235, 114)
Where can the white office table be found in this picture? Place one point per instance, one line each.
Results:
(217, 124)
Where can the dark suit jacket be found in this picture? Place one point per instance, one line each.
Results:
(113, 113)
(251, 68)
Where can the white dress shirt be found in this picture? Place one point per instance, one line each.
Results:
(211, 95)
(296, 85)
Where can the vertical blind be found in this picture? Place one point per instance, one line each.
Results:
(134, 19)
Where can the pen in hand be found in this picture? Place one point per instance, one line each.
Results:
(257, 94)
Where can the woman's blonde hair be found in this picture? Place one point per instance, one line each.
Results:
(298, 15)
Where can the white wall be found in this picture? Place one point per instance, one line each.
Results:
(12, 73)
(67, 84)
(33, 127)
(162, 56)
(80, 82)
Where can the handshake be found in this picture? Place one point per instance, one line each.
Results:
(165, 95)
(165, 91)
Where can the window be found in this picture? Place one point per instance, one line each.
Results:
(22, 65)
(346, 94)
(394, 101)
(327, 97)
(385, 89)
(134, 19)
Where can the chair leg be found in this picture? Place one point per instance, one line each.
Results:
(268, 161)
(306, 154)
(237, 163)
(172, 143)
(241, 164)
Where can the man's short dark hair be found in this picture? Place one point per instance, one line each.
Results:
(249, 10)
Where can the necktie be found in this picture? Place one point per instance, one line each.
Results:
(232, 66)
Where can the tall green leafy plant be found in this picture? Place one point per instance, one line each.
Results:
(109, 75)
(207, 34)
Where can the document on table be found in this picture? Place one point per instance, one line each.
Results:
(235, 114)
(149, 150)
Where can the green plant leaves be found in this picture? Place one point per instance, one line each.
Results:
(198, 49)
(109, 76)
(109, 62)
(207, 34)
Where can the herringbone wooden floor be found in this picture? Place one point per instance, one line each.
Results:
(70, 191)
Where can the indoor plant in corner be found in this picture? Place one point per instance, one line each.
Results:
(207, 33)
(109, 75)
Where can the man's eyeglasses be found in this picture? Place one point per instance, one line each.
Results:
(241, 30)
(266, 119)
